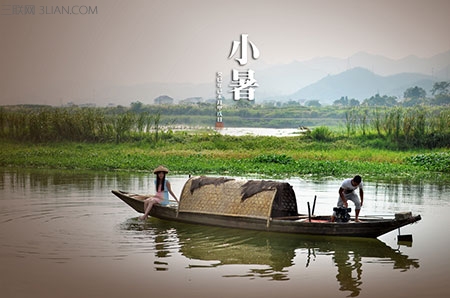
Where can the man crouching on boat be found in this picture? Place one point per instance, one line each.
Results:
(347, 192)
(163, 189)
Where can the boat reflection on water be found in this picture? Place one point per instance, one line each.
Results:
(272, 254)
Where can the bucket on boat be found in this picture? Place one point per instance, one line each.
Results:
(341, 214)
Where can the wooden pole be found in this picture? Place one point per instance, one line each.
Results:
(314, 205)
(309, 213)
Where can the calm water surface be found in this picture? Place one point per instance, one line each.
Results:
(63, 234)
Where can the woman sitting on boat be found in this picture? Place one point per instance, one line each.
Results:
(163, 189)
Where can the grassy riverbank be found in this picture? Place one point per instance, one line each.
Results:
(215, 154)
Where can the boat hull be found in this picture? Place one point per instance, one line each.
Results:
(301, 224)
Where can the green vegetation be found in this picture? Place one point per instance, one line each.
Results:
(211, 153)
(379, 143)
(382, 127)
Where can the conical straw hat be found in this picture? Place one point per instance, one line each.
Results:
(161, 169)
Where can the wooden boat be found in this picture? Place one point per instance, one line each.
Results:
(258, 205)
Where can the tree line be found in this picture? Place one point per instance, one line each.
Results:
(411, 97)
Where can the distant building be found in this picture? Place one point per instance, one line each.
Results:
(163, 100)
(192, 100)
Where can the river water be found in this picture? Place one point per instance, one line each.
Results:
(63, 234)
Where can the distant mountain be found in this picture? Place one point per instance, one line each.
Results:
(360, 83)
(360, 76)
(444, 73)
(285, 79)
(279, 82)
(273, 81)
(325, 78)
(433, 66)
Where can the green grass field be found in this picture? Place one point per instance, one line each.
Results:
(215, 154)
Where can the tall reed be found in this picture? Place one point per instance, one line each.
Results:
(403, 127)
(47, 124)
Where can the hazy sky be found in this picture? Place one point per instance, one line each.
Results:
(132, 42)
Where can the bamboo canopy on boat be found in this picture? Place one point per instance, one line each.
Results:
(231, 197)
